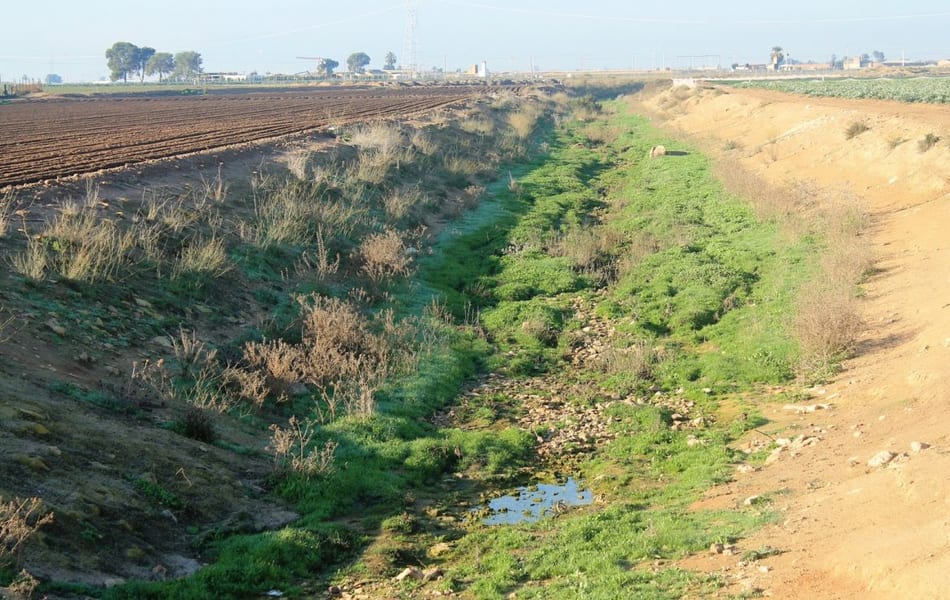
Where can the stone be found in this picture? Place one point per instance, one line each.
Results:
(916, 447)
(407, 573)
(716, 549)
(431, 574)
(752, 500)
(56, 328)
(31, 462)
(880, 459)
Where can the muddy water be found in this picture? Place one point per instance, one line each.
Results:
(530, 503)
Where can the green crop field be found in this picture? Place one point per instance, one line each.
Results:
(934, 90)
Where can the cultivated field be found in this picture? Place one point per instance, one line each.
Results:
(45, 139)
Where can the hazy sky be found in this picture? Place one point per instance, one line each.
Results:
(69, 37)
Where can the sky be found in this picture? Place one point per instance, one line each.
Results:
(69, 38)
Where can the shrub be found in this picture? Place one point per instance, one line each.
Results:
(855, 129)
(385, 255)
(198, 424)
(929, 141)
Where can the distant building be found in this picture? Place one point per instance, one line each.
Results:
(222, 77)
(478, 70)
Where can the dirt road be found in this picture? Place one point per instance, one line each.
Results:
(849, 530)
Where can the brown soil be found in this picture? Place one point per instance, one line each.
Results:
(49, 138)
(849, 530)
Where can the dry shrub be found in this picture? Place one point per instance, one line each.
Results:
(7, 200)
(342, 354)
(33, 261)
(281, 363)
(827, 326)
(385, 255)
(292, 451)
(20, 519)
(588, 248)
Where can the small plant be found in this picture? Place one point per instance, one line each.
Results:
(929, 141)
(895, 141)
(292, 451)
(855, 129)
(198, 424)
(760, 553)
(206, 257)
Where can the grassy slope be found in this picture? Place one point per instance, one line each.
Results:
(713, 292)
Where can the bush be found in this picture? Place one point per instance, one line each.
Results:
(929, 141)
(855, 129)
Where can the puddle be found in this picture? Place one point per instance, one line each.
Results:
(530, 503)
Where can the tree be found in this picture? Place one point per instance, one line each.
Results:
(160, 63)
(187, 65)
(878, 56)
(356, 62)
(834, 61)
(325, 67)
(390, 63)
(122, 59)
(53, 79)
(141, 59)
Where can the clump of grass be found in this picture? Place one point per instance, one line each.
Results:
(855, 129)
(202, 257)
(927, 142)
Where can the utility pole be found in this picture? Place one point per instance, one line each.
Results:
(410, 46)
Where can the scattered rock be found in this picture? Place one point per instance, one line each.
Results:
(745, 469)
(916, 447)
(880, 459)
(808, 408)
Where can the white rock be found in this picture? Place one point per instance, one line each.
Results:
(916, 447)
(880, 459)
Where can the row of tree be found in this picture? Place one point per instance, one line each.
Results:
(355, 63)
(126, 59)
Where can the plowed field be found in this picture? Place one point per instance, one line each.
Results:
(45, 139)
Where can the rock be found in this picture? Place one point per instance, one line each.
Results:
(431, 574)
(880, 459)
(31, 462)
(134, 553)
(56, 328)
(745, 469)
(143, 303)
(163, 341)
(334, 590)
(752, 500)
(409, 572)
(716, 549)
(36, 429)
(916, 447)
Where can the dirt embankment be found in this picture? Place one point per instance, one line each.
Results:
(850, 530)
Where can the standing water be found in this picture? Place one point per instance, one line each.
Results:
(530, 503)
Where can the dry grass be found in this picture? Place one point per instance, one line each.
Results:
(384, 256)
(855, 129)
(20, 519)
(638, 360)
(827, 326)
(203, 256)
(524, 120)
(292, 450)
(298, 163)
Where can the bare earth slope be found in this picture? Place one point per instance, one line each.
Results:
(849, 530)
